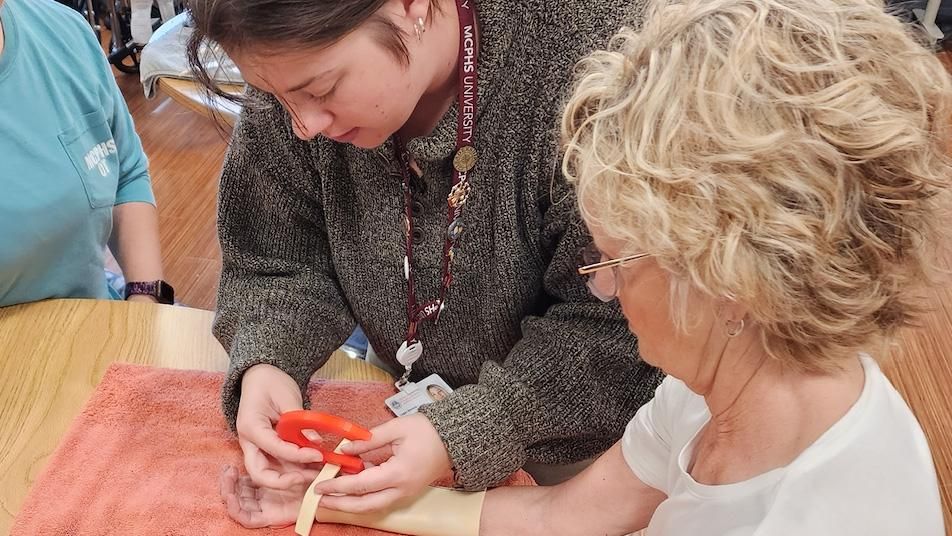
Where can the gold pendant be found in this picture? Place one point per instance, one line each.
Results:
(459, 194)
(465, 159)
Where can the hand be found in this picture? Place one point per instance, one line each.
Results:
(266, 393)
(256, 507)
(418, 458)
(145, 298)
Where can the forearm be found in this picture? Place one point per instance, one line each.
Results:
(605, 499)
(135, 241)
(516, 510)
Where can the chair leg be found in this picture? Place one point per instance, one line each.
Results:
(927, 19)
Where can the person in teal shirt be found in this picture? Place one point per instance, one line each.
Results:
(73, 175)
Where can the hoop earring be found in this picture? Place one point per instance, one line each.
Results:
(734, 331)
(419, 27)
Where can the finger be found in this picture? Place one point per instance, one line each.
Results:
(312, 436)
(237, 509)
(265, 438)
(367, 481)
(248, 519)
(378, 456)
(227, 481)
(263, 474)
(249, 504)
(308, 475)
(363, 504)
(247, 488)
(247, 494)
(256, 463)
(380, 437)
(255, 460)
(271, 478)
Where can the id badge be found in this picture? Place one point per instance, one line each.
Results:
(413, 395)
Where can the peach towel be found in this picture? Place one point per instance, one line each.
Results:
(144, 457)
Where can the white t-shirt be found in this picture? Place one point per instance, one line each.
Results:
(870, 474)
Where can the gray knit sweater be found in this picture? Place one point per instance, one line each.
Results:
(313, 243)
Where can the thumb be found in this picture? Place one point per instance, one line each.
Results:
(381, 436)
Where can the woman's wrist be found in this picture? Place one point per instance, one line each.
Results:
(158, 290)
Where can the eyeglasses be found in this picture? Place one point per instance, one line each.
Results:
(605, 288)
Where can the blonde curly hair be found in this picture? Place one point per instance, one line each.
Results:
(790, 155)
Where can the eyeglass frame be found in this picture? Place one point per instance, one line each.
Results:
(594, 267)
(590, 269)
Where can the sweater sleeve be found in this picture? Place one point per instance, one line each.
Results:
(279, 301)
(568, 386)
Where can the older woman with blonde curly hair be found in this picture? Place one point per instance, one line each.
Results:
(763, 180)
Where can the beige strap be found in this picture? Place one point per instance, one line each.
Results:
(308, 511)
(434, 512)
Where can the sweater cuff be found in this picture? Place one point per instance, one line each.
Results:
(479, 436)
(231, 389)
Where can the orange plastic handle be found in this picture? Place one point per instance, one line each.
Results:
(292, 424)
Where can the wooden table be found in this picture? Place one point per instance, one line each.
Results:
(190, 94)
(53, 354)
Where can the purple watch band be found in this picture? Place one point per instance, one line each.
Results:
(160, 290)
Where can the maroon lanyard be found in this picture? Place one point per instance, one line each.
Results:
(463, 162)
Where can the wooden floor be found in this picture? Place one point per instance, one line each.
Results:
(921, 369)
(186, 152)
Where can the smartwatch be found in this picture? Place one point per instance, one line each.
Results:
(160, 290)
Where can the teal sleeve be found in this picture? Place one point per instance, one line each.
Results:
(134, 181)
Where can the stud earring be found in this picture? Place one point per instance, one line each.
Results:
(419, 27)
